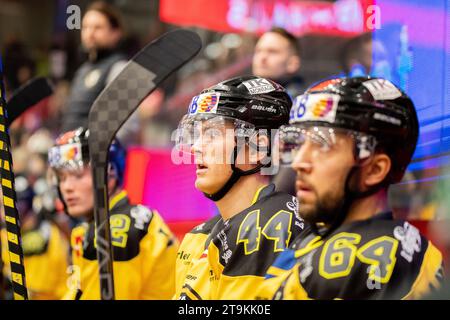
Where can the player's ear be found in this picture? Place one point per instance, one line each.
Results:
(376, 170)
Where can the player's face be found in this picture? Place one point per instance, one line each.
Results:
(212, 152)
(272, 57)
(97, 33)
(321, 174)
(77, 191)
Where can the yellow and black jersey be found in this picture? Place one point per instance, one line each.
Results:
(191, 248)
(44, 248)
(144, 251)
(239, 250)
(378, 258)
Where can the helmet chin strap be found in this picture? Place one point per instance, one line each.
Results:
(235, 176)
(349, 197)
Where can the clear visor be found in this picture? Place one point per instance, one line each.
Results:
(321, 142)
(206, 129)
(66, 157)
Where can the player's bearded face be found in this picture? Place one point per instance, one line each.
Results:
(77, 191)
(321, 177)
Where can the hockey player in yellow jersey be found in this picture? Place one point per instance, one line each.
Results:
(192, 247)
(45, 246)
(230, 129)
(144, 248)
(348, 140)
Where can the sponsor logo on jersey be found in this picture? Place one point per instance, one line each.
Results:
(182, 255)
(191, 277)
(227, 255)
(204, 103)
(409, 237)
(258, 86)
(199, 227)
(382, 89)
(293, 205)
(315, 107)
(222, 236)
(141, 215)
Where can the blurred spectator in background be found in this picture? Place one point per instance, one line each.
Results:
(19, 67)
(363, 55)
(277, 56)
(356, 56)
(101, 33)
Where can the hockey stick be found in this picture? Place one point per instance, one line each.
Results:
(9, 204)
(24, 98)
(21, 100)
(27, 96)
(112, 108)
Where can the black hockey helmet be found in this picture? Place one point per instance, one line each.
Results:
(261, 102)
(372, 106)
(250, 103)
(71, 152)
(376, 113)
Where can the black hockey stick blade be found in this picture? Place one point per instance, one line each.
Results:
(27, 96)
(115, 104)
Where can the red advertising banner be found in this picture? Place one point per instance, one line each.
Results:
(342, 17)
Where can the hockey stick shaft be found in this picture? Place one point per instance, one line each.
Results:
(9, 203)
(112, 108)
(21, 100)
